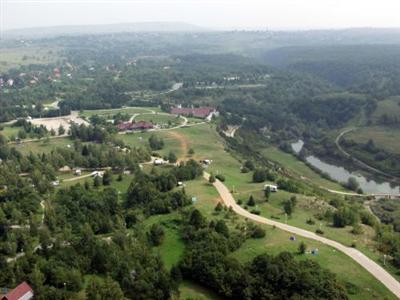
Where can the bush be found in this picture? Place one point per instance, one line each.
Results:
(220, 177)
(343, 217)
(302, 248)
(319, 231)
(310, 221)
(367, 218)
(251, 201)
(248, 164)
(255, 211)
(219, 207)
(259, 175)
(211, 179)
(156, 235)
(240, 202)
(257, 232)
(357, 229)
(244, 170)
(156, 143)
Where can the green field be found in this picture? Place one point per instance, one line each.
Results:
(193, 291)
(298, 168)
(111, 112)
(389, 107)
(43, 146)
(9, 131)
(16, 57)
(387, 138)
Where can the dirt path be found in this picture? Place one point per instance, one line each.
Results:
(376, 270)
(184, 143)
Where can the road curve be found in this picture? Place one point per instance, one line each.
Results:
(376, 270)
(360, 163)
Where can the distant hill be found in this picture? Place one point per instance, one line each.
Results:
(40, 32)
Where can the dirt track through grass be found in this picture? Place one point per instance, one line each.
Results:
(184, 143)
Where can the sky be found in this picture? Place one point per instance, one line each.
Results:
(213, 14)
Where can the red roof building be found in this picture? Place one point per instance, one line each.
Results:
(141, 125)
(200, 112)
(21, 292)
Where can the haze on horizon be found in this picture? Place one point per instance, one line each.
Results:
(217, 14)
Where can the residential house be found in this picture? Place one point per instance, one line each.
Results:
(21, 292)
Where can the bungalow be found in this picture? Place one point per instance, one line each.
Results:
(21, 292)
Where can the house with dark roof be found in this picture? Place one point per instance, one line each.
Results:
(21, 292)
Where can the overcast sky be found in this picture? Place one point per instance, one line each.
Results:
(216, 14)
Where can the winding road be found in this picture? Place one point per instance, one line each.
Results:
(368, 264)
(361, 163)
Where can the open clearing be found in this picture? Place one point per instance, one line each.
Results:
(16, 57)
(56, 122)
(384, 137)
(390, 107)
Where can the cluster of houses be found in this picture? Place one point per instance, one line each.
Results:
(197, 112)
(131, 126)
(21, 292)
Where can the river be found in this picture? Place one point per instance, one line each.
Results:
(340, 174)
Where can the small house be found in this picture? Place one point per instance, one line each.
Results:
(97, 174)
(159, 161)
(272, 188)
(55, 183)
(21, 292)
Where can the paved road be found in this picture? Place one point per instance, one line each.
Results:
(376, 270)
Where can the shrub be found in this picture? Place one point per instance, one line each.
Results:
(251, 201)
(257, 232)
(211, 179)
(310, 221)
(249, 165)
(220, 177)
(319, 231)
(302, 248)
(357, 229)
(367, 218)
(219, 207)
(244, 170)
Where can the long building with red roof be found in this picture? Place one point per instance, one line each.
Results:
(21, 292)
(141, 125)
(198, 112)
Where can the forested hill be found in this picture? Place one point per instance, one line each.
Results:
(370, 69)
